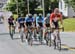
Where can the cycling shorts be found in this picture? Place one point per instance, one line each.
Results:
(21, 25)
(28, 24)
(47, 25)
(11, 23)
(56, 24)
(40, 24)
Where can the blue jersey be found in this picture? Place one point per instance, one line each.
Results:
(29, 19)
(21, 20)
(39, 20)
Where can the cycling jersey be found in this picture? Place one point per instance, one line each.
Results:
(29, 21)
(21, 20)
(39, 21)
(54, 19)
(10, 20)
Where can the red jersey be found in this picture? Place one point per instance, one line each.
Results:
(55, 17)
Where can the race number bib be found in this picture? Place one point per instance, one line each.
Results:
(55, 19)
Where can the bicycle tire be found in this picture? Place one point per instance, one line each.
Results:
(40, 37)
(11, 34)
(22, 38)
(46, 38)
(55, 44)
(30, 38)
(50, 40)
(59, 45)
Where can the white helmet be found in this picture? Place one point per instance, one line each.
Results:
(35, 15)
(40, 14)
(30, 15)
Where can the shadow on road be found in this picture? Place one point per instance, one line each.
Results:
(4, 33)
(65, 47)
(16, 38)
(7, 33)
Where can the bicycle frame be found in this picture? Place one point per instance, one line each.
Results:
(30, 35)
(48, 36)
(40, 34)
(11, 32)
(22, 33)
(57, 40)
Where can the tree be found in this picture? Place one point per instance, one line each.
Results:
(12, 6)
(22, 5)
(33, 5)
(70, 3)
(51, 4)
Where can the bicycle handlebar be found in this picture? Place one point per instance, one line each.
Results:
(59, 28)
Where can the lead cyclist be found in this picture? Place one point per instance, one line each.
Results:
(55, 17)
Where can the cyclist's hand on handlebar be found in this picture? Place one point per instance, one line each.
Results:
(61, 26)
(44, 26)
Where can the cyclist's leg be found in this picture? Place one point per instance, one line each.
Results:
(58, 37)
(19, 28)
(13, 27)
(9, 26)
(57, 30)
(54, 35)
(46, 29)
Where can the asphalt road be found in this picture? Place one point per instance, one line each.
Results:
(8, 46)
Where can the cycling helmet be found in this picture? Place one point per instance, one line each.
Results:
(30, 15)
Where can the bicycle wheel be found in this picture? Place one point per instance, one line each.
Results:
(59, 45)
(30, 38)
(46, 38)
(54, 44)
(22, 38)
(40, 37)
(31, 33)
(11, 36)
(49, 40)
(11, 33)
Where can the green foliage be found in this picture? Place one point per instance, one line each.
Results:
(13, 4)
(51, 4)
(70, 3)
(22, 5)
(33, 5)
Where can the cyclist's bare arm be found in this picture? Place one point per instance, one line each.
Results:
(51, 20)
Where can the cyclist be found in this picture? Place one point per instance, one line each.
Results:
(11, 22)
(55, 17)
(21, 22)
(40, 23)
(47, 20)
(29, 22)
(47, 23)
